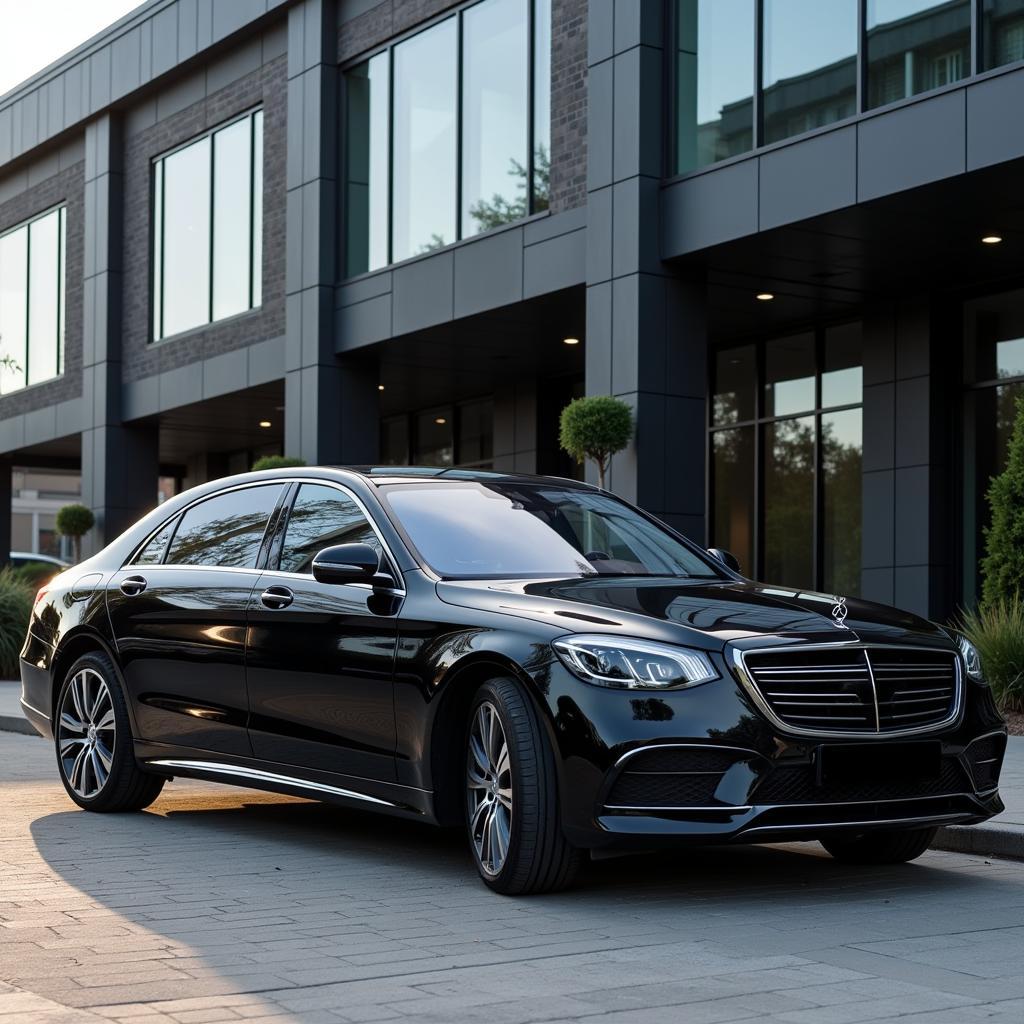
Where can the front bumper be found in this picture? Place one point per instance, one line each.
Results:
(705, 766)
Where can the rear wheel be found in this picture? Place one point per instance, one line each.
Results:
(93, 739)
(511, 795)
(883, 847)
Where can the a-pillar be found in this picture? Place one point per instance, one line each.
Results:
(646, 324)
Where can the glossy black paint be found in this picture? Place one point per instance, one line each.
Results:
(356, 692)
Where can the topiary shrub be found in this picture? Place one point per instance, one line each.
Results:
(1002, 568)
(15, 610)
(276, 462)
(75, 521)
(997, 630)
(596, 428)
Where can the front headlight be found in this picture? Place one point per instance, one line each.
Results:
(633, 664)
(972, 659)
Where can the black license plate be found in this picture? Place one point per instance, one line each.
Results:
(877, 762)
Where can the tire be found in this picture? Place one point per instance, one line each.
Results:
(512, 816)
(884, 847)
(93, 741)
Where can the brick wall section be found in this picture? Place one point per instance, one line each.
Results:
(68, 186)
(568, 104)
(568, 79)
(141, 357)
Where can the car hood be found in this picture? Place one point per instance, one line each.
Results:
(705, 613)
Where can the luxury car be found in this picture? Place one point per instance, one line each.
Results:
(531, 658)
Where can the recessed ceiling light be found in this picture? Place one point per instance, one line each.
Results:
(380, 387)
(570, 341)
(992, 239)
(265, 423)
(764, 296)
(440, 421)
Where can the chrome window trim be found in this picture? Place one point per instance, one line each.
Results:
(258, 775)
(683, 746)
(737, 655)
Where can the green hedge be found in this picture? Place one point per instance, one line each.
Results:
(15, 609)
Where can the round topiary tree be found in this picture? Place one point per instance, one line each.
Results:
(277, 462)
(1002, 568)
(75, 521)
(596, 428)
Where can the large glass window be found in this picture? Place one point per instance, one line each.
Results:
(225, 530)
(32, 302)
(208, 228)
(447, 133)
(916, 45)
(809, 70)
(1002, 28)
(320, 518)
(715, 81)
(793, 515)
(460, 435)
(994, 372)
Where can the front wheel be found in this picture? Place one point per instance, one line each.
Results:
(512, 795)
(93, 738)
(882, 847)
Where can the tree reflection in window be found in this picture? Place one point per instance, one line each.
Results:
(226, 530)
(321, 518)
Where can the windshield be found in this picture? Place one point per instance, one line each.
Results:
(499, 530)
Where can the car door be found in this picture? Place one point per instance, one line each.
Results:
(178, 616)
(320, 657)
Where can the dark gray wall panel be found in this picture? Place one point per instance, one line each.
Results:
(361, 289)
(879, 426)
(808, 178)
(878, 538)
(423, 293)
(912, 513)
(995, 131)
(363, 323)
(555, 264)
(600, 130)
(709, 208)
(126, 63)
(911, 146)
(913, 444)
(489, 272)
(165, 41)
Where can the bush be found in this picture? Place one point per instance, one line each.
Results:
(997, 630)
(277, 462)
(75, 521)
(15, 609)
(596, 428)
(1002, 568)
(35, 574)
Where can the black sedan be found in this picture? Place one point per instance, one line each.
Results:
(531, 658)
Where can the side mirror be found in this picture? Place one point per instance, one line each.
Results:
(727, 558)
(346, 563)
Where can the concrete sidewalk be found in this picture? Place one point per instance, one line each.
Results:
(1003, 836)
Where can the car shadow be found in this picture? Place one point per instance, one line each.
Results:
(260, 893)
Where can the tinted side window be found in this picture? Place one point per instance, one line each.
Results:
(322, 517)
(153, 552)
(226, 530)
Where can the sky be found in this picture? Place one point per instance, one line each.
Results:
(36, 32)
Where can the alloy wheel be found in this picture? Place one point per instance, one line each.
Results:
(86, 733)
(489, 781)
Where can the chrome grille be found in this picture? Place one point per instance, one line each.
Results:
(855, 689)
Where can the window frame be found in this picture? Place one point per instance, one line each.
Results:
(157, 192)
(60, 340)
(759, 422)
(455, 12)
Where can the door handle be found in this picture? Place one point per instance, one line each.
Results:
(277, 597)
(131, 586)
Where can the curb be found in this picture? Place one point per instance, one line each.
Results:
(987, 840)
(16, 723)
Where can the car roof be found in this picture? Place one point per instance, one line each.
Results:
(386, 475)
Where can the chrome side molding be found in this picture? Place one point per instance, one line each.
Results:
(238, 771)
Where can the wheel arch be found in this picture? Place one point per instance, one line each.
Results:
(71, 648)
(445, 753)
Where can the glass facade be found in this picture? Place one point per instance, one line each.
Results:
(459, 435)
(742, 83)
(447, 133)
(994, 376)
(785, 457)
(208, 228)
(32, 301)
